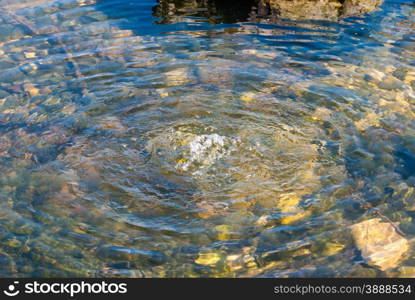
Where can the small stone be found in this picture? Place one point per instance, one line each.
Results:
(301, 253)
(208, 259)
(248, 97)
(233, 257)
(181, 160)
(293, 217)
(321, 114)
(29, 68)
(86, 2)
(380, 245)
(13, 243)
(112, 124)
(31, 90)
(53, 101)
(208, 210)
(177, 77)
(30, 54)
(332, 248)
(289, 207)
(69, 109)
(223, 232)
(234, 263)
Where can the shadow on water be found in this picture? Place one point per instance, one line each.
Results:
(216, 11)
(306, 39)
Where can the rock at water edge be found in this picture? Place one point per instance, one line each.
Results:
(380, 245)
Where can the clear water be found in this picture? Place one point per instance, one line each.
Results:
(134, 146)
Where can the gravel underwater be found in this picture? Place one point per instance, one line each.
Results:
(182, 139)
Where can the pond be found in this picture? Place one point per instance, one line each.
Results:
(147, 139)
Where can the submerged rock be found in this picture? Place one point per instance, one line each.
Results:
(208, 259)
(380, 245)
(306, 9)
(332, 248)
(113, 124)
(267, 10)
(177, 77)
(359, 7)
(321, 9)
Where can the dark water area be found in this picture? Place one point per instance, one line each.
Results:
(139, 139)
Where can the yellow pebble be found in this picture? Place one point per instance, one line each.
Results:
(32, 91)
(223, 232)
(288, 202)
(293, 218)
(301, 252)
(181, 160)
(332, 248)
(248, 97)
(233, 257)
(30, 54)
(208, 259)
(250, 262)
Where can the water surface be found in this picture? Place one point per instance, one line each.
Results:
(137, 146)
